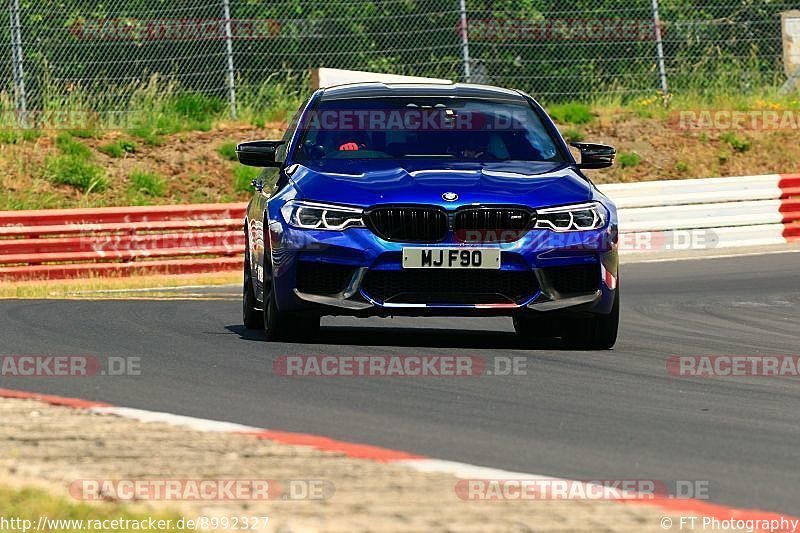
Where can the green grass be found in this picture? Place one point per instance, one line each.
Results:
(243, 176)
(20, 200)
(118, 148)
(175, 114)
(147, 183)
(67, 145)
(276, 99)
(628, 159)
(83, 133)
(739, 144)
(571, 113)
(653, 105)
(573, 135)
(17, 136)
(227, 150)
(32, 503)
(76, 171)
(146, 134)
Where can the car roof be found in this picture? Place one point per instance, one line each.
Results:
(380, 89)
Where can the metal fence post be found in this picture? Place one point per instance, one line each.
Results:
(462, 8)
(16, 58)
(226, 7)
(662, 73)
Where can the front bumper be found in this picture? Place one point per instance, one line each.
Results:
(541, 257)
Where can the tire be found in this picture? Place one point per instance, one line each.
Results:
(280, 325)
(596, 333)
(252, 315)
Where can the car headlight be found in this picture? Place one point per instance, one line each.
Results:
(580, 217)
(314, 215)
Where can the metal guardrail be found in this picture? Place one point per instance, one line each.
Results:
(56, 243)
(725, 212)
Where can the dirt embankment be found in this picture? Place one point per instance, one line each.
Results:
(195, 172)
(658, 149)
(189, 162)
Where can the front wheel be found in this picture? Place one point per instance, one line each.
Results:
(252, 316)
(595, 333)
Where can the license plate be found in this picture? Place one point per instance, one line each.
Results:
(483, 258)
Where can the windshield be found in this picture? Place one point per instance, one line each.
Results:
(462, 129)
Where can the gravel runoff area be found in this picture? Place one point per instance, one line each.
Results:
(56, 447)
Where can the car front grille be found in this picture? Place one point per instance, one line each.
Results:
(491, 224)
(408, 223)
(450, 286)
(574, 279)
(430, 224)
(323, 278)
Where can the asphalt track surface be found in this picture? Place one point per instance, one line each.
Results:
(582, 415)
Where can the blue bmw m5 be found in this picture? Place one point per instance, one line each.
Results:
(429, 199)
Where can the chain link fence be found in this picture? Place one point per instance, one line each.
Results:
(111, 57)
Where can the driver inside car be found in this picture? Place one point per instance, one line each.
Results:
(354, 140)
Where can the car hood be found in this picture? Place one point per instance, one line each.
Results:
(366, 183)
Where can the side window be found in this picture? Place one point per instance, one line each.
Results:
(280, 153)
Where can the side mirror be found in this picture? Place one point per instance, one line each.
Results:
(595, 155)
(258, 153)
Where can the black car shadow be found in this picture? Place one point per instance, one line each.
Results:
(412, 337)
(246, 334)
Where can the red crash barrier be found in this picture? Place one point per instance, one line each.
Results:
(61, 243)
(790, 185)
